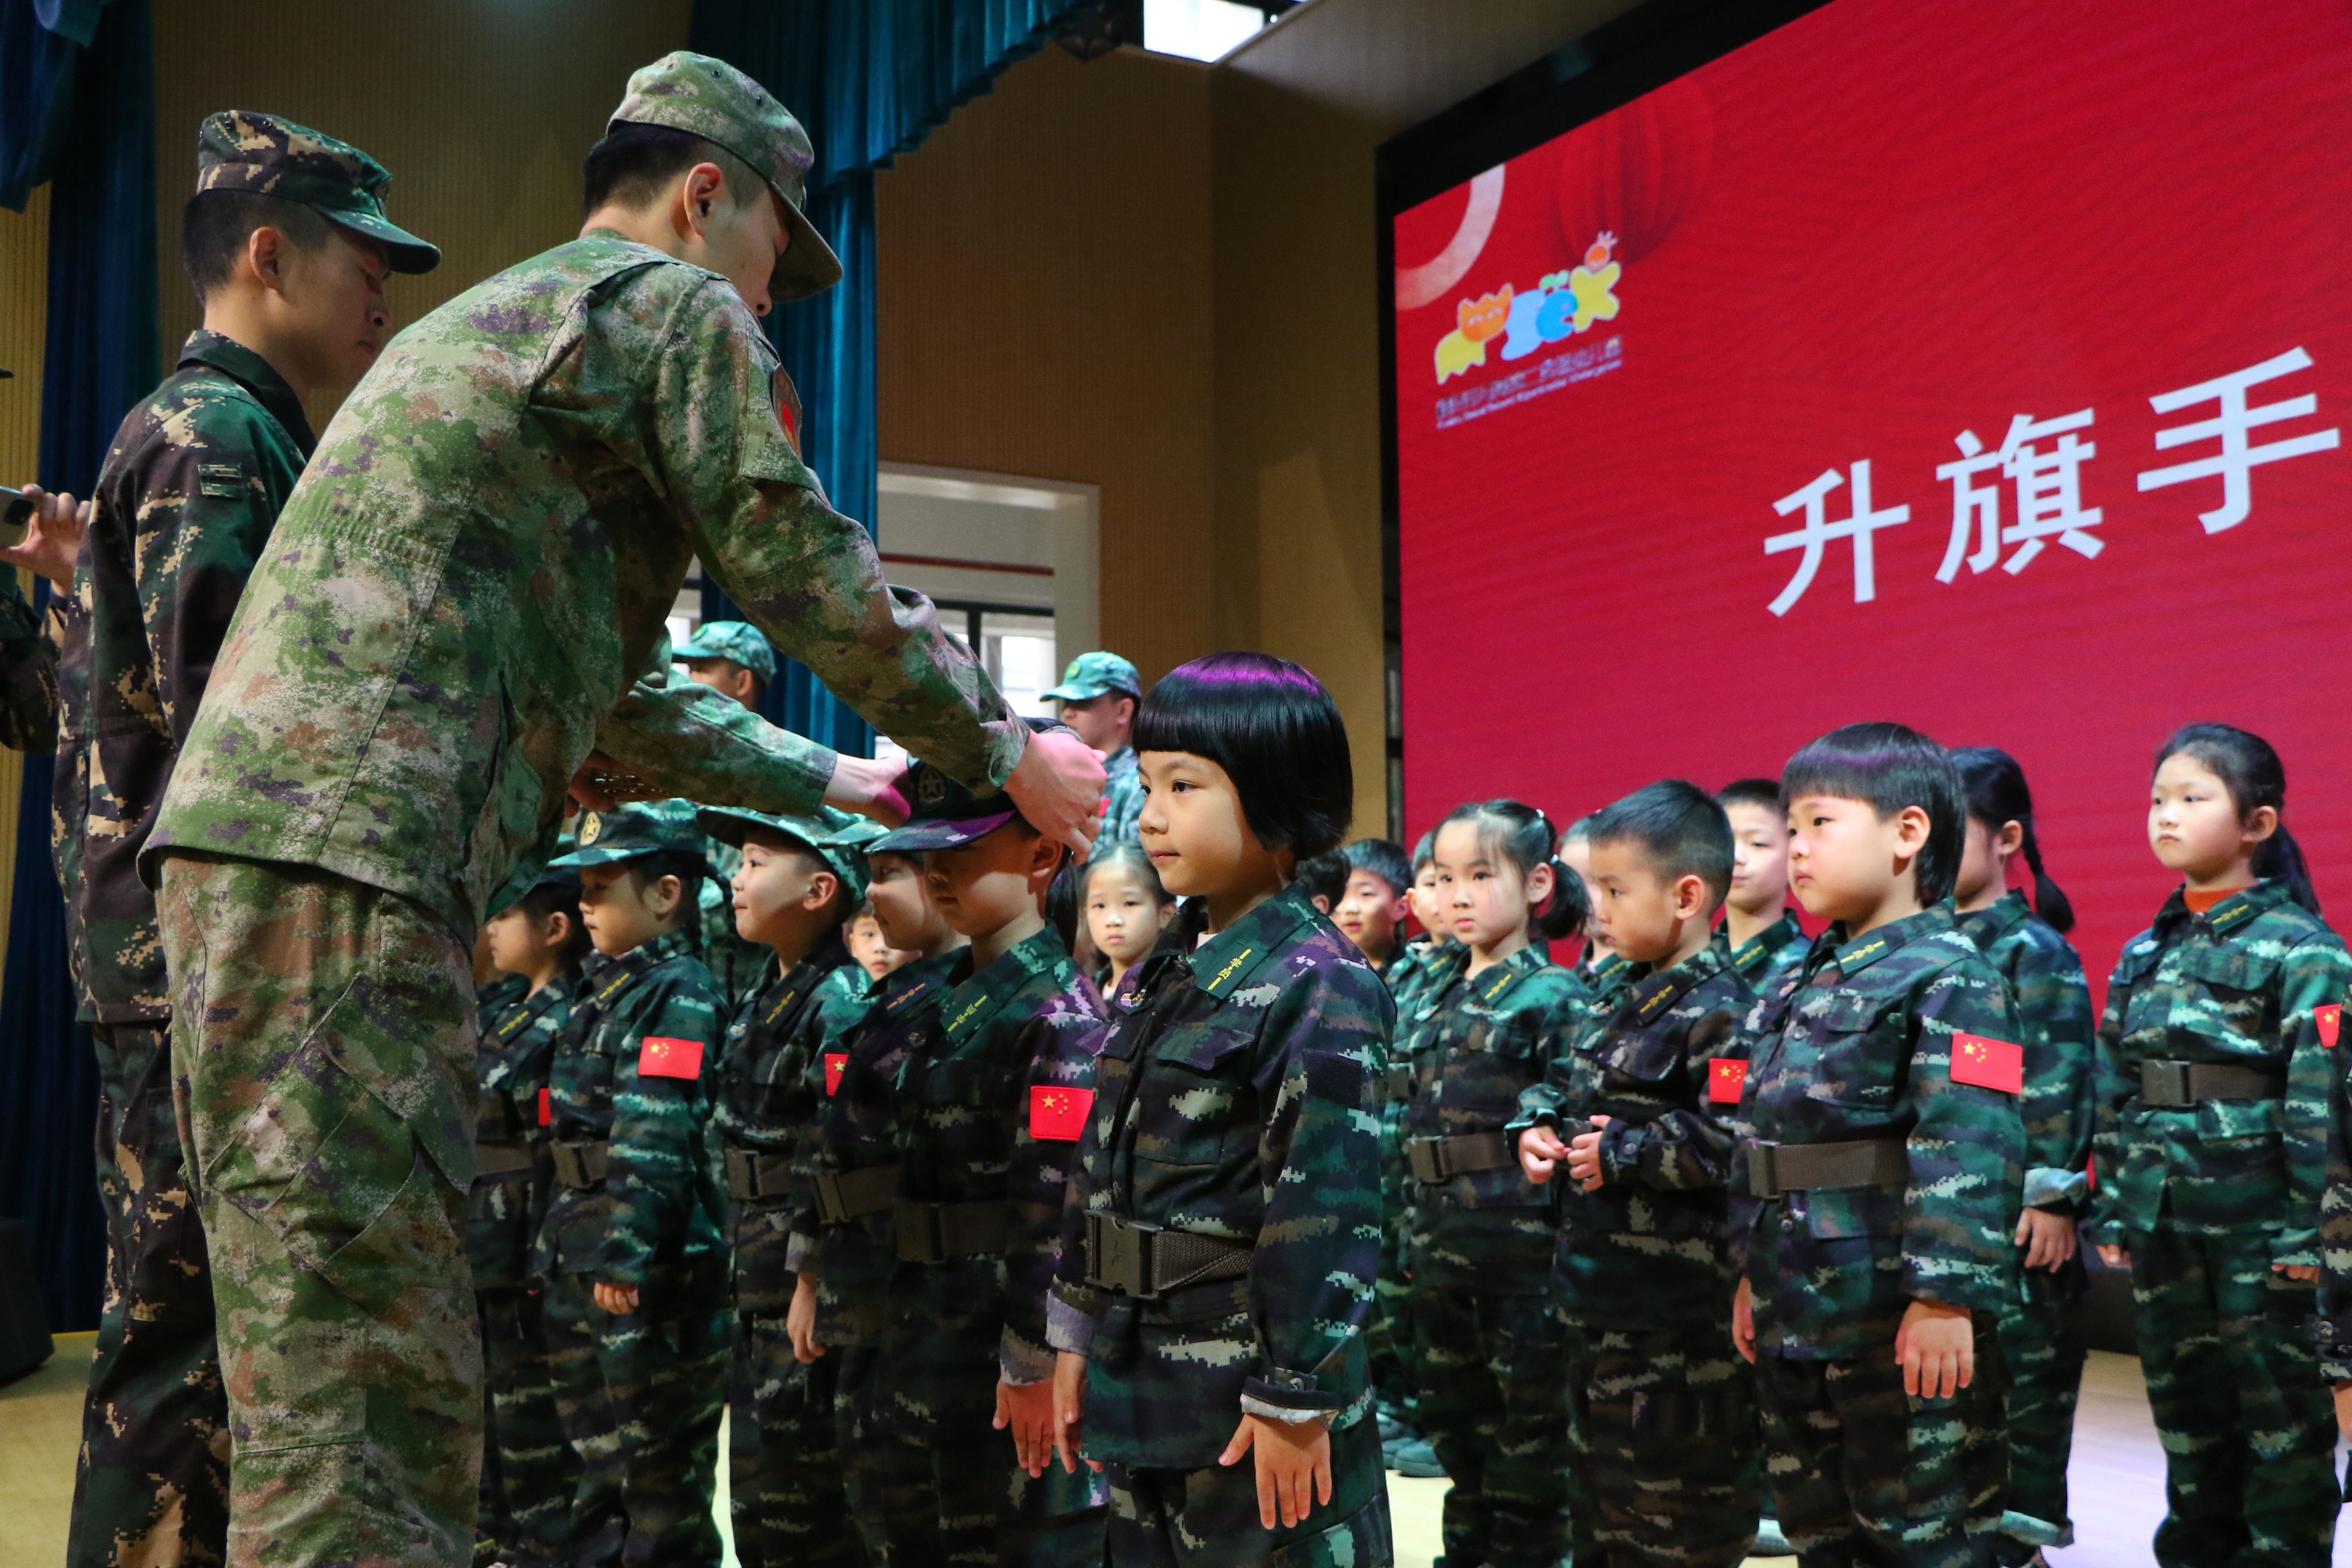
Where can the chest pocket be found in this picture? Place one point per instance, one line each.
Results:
(2229, 1003)
(1190, 1107)
(1844, 1033)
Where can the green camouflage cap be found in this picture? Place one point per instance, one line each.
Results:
(710, 99)
(738, 640)
(837, 837)
(1092, 674)
(641, 827)
(943, 814)
(238, 149)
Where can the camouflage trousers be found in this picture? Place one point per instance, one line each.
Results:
(1862, 1472)
(1667, 1445)
(1209, 1519)
(2248, 1428)
(785, 1488)
(2042, 1352)
(1494, 1374)
(529, 1472)
(150, 1485)
(639, 1396)
(323, 1080)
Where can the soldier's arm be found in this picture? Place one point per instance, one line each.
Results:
(2060, 1037)
(28, 674)
(2102, 1226)
(1685, 1147)
(1966, 1147)
(2315, 974)
(656, 1141)
(675, 738)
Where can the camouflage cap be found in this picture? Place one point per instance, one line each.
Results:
(1093, 675)
(837, 837)
(639, 828)
(943, 814)
(238, 149)
(710, 99)
(740, 641)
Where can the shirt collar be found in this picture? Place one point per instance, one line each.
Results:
(1998, 918)
(1854, 954)
(1756, 950)
(971, 1004)
(1225, 963)
(241, 365)
(2230, 912)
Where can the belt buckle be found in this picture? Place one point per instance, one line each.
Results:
(1118, 1255)
(1428, 1162)
(918, 1227)
(1763, 1174)
(2165, 1085)
(831, 1208)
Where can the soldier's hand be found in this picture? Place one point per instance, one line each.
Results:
(1585, 1156)
(1059, 785)
(2114, 1257)
(1938, 1347)
(869, 788)
(59, 523)
(2301, 1273)
(2343, 1408)
(1293, 1466)
(1743, 1321)
(616, 1299)
(1069, 1407)
(800, 1320)
(1541, 1150)
(2047, 1238)
(603, 785)
(1028, 1409)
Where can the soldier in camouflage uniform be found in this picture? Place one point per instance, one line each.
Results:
(733, 659)
(1875, 1191)
(463, 599)
(190, 491)
(1667, 1448)
(2214, 1078)
(28, 674)
(1097, 697)
(632, 1254)
(783, 1474)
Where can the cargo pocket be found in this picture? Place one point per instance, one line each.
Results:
(1191, 1097)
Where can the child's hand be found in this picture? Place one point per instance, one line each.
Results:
(2047, 1238)
(1938, 1347)
(616, 1299)
(1743, 1321)
(1585, 1156)
(1539, 1150)
(2301, 1273)
(800, 1320)
(1028, 1409)
(1069, 1407)
(1293, 1466)
(2114, 1257)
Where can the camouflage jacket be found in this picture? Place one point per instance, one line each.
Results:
(1603, 980)
(2056, 1029)
(658, 1211)
(184, 507)
(1859, 1046)
(764, 1099)
(467, 590)
(1122, 797)
(1461, 1072)
(28, 674)
(1237, 1097)
(1653, 1247)
(1431, 971)
(518, 1047)
(2237, 985)
(1769, 954)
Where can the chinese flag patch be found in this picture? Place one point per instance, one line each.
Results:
(1988, 1063)
(2328, 1018)
(546, 1109)
(1726, 1078)
(1058, 1115)
(836, 1064)
(662, 1058)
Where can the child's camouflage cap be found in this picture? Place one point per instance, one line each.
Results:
(837, 837)
(639, 828)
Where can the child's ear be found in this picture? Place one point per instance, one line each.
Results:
(668, 894)
(821, 887)
(1690, 897)
(2262, 823)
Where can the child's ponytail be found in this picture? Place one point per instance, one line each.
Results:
(1524, 836)
(2251, 772)
(1995, 787)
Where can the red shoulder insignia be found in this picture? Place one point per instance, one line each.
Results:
(1988, 1063)
(662, 1058)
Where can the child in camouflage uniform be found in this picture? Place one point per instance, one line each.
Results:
(1759, 931)
(1372, 908)
(1219, 1248)
(1665, 1437)
(529, 1470)
(1489, 1355)
(2214, 1079)
(2041, 1348)
(1875, 1187)
(795, 880)
(632, 1253)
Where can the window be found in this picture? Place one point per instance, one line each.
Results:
(1198, 29)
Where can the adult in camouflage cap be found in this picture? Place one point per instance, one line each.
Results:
(1098, 698)
(465, 598)
(740, 643)
(286, 242)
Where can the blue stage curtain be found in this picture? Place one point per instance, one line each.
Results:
(77, 78)
(870, 79)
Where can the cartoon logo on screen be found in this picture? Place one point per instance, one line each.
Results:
(1560, 306)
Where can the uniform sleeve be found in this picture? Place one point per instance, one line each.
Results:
(2313, 975)
(1687, 1147)
(2331, 1326)
(802, 572)
(681, 739)
(28, 674)
(2059, 1037)
(2103, 1226)
(657, 1151)
(1544, 1102)
(1967, 1149)
(1037, 1190)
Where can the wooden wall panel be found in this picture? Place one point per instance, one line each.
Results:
(24, 321)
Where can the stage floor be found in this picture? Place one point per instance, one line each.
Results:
(2117, 1472)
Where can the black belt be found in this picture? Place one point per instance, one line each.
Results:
(853, 1195)
(2178, 1086)
(1146, 1261)
(935, 1233)
(751, 1174)
(503, 1162)
(497, 1120)
(1777, 1168)
(1435, 1159)
(581, 1164)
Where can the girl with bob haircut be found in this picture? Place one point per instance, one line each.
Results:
(2215, 1076)
(1220, 1249)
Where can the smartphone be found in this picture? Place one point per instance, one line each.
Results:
(15, 518)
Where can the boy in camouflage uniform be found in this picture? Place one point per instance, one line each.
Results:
(1666, 1444)
(796, 881)
(1875, 1196)
(1759, 931)
(632, 1254)
(735, 660)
